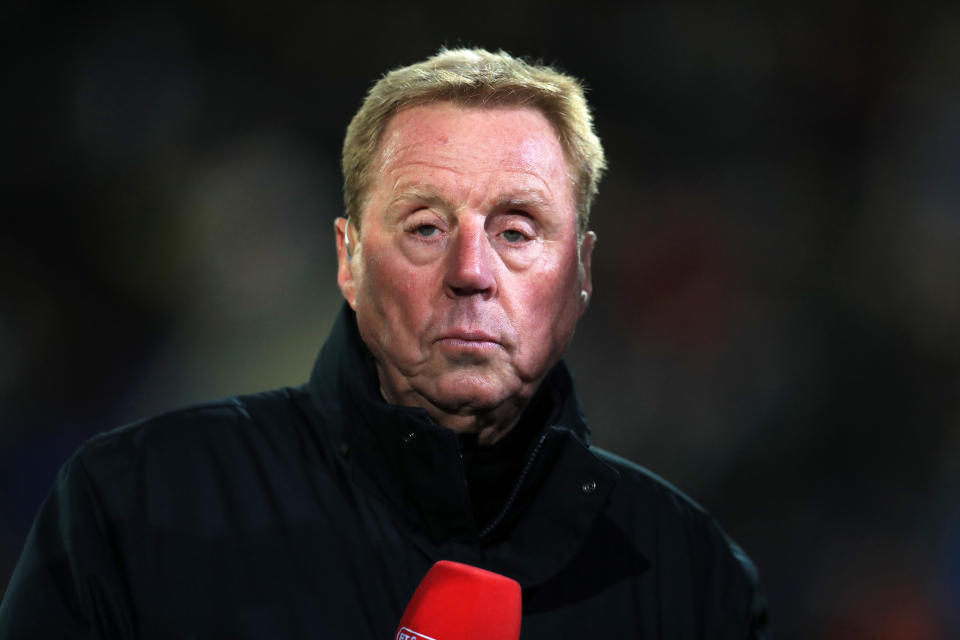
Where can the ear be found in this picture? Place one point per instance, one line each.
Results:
(586, 254)
(344, 268)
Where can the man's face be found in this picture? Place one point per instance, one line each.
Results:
(467, 275)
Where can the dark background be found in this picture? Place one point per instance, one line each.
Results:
(777, 278)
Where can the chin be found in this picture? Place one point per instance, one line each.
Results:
(474, 393)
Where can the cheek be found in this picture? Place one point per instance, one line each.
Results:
(548, 310)
(397, 290)
(559, 285)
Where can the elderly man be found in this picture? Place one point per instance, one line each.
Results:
(439, 422)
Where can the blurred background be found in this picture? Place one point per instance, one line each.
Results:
(776, 321)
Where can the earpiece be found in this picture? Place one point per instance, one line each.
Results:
(584, 296)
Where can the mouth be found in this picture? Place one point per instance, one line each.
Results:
(468, 340)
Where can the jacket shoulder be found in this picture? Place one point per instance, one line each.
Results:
(643, 491)
(646, 487)
(183, 459)
(684, 538)
(196, 425)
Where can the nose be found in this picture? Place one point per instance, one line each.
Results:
(470, 263)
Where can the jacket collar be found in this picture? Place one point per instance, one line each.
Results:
(413, 465)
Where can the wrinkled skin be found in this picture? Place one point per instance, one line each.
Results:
(467, 275)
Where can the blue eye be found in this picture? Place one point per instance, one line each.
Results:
(426, 230)
(512, 235)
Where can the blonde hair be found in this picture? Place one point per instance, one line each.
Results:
(475, 77)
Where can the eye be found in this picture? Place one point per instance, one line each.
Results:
(513, 236)
(426, 230)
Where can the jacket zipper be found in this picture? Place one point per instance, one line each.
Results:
(516, 489)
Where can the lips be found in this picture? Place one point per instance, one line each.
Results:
(468, 335)
(469, 341)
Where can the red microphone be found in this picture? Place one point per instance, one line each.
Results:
(459, 602)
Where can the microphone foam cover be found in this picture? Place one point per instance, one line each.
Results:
(460, 602)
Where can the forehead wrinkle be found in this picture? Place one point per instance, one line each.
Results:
(498, 195)
(450, 155)
(483, 184)
(395, 142)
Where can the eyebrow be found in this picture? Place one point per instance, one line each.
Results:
(417, 192)
(522, 199)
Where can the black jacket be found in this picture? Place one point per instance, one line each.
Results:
(314, 513)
